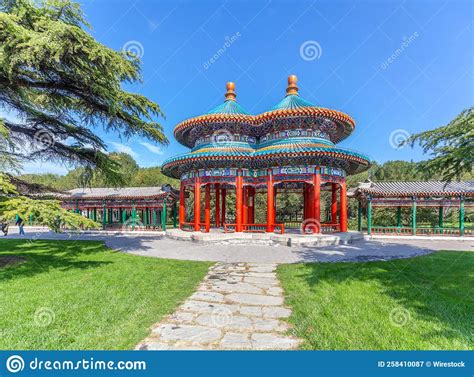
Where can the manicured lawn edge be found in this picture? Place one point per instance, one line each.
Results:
(83, 295)
(409, 304)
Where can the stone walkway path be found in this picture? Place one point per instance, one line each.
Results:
(237, 306)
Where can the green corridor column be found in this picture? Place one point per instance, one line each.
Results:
(77, 207)
(369, 216)
(175, 210)
(461, 217)
(413, 216)
(359, 216)
(155, 223)
(145, 216)
(163, 216)
(124, 215)
(440, 217)
(104, 214)
(94, 214)
(134, 215)
(399, 217)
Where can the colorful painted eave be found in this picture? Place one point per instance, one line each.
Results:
(255, 123)
(267, 154)
(416, 189)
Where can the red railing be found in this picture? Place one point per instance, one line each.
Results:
(187, 227)
(254, 228)
(203, 227)
(330, 228)
(280, 226)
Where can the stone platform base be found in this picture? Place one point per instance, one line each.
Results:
(287, 239)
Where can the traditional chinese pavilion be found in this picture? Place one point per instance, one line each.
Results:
(292, 146)
(413, 196)
(131, 208)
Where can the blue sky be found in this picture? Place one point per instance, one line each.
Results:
(397, 67)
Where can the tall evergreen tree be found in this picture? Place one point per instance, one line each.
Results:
(452, 147)
(60, 83)
(57, 83)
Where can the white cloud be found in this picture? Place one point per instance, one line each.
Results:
(152, 148)
(124, 149)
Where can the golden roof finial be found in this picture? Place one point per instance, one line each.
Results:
(292, 85)
(230, 95)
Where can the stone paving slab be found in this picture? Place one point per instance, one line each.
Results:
(228, 312)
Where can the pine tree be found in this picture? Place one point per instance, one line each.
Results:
(452, 147)
(59, 82)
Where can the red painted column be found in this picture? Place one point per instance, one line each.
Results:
(343, 213)
(305, 201)
(316, 197)
(197, 203)
(270, 201)
(251, 215)
(223, 193)
(245, 205)
(217, 212)
(238, 200)
(310, 202)
(182, 205)
(334, 203)
(275, 203)
(207, 208)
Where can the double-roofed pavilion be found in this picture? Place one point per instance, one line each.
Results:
(290, 147)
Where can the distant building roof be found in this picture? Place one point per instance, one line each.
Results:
(111, 193)
(404, 189)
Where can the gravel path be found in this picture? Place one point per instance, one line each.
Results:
(237, 306)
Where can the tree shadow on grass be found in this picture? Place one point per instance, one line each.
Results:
(434, 288)
(44, 256)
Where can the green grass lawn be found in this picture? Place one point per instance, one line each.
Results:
(412, 304)
(99, 298)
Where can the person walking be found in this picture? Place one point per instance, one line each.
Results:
(5, 229)
(20, 223)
